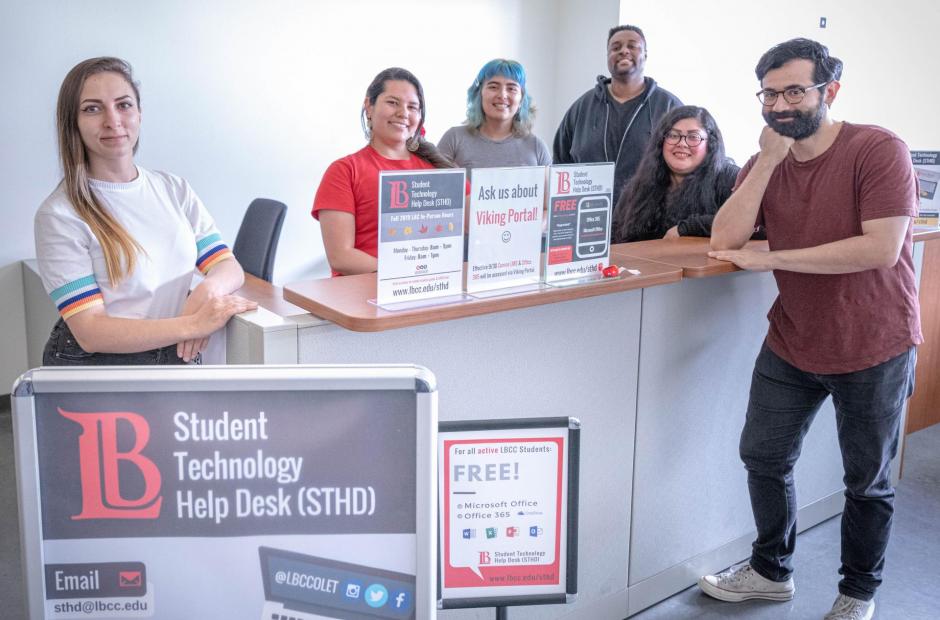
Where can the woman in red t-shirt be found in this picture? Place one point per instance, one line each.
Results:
(346, 203)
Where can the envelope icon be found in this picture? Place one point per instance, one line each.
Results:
(129, 579)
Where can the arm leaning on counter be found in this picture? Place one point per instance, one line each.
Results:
(877, 247)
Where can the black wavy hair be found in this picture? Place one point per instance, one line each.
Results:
(827, 68)
(642, 204)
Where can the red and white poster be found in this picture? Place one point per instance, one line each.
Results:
(504, 505)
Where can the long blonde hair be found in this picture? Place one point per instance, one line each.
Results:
(120, 249)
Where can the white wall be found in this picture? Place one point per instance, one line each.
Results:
(706, 53)
(247, 98)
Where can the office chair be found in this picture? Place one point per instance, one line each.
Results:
(256, 243)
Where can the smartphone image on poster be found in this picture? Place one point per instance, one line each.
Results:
(593, 214)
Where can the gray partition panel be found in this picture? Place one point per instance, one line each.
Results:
(699, 342)
(577, 358)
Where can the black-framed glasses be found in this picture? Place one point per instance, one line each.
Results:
(791, 94)
(692, 139)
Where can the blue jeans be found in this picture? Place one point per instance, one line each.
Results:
(783, 402)
(63, 350)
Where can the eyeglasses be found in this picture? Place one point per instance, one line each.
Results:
(791, 94)
(692, 139)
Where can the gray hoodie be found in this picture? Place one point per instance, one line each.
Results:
(582, 135)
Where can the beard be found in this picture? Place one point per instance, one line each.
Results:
(803, 125)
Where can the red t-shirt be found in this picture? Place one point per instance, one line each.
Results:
(351, 184)
(834, 324)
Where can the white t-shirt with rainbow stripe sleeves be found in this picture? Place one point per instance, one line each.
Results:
(159, 210)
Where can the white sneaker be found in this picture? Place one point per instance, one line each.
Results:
(742, 583)
(848, 608)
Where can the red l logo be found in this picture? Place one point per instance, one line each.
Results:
(399, 194)
(99, 460)
(564, 182)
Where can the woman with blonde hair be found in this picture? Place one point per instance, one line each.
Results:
(118, 244)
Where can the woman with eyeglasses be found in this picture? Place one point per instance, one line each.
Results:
(347, 199)
(498, 129)
(118, 244)
(683, 179)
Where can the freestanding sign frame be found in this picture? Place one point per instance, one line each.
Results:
(508, 495)
(233, 491)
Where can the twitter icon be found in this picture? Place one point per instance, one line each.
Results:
(376, 595)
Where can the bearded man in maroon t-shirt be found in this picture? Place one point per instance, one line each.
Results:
(837, 201)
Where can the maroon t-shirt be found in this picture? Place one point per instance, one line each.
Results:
(833, 324)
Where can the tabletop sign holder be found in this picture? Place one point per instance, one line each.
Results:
(227, 492)
(508, 508)
(579, 221)
(420, 238)
(505, 240)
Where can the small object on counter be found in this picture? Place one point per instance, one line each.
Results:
(612, 272)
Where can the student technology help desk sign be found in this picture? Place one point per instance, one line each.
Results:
(420, 235)
(228, 492)
(579, 219)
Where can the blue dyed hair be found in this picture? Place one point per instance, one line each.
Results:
(522, 121)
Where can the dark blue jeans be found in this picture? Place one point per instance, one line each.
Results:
(63, 350)
(783, 402)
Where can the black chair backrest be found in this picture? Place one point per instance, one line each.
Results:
(256, 243)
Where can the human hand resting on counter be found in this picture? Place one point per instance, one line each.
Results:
(210, 311)
(672, 233)
(751, 260)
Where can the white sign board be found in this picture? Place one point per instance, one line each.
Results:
(508, 512)
(420, 234)
(506, 208)
(927, 168)
(579, 217)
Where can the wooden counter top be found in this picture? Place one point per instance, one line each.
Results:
(345, 300)
(925, 234)
(268, 296)
(688, 253)
(691, 253)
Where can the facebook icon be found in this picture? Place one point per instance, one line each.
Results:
(401, 601)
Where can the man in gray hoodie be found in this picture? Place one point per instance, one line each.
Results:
(613, 121)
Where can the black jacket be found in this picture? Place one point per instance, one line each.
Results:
(582, 136)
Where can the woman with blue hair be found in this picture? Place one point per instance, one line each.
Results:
(498, 129)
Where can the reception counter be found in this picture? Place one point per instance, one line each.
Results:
(656, 366)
